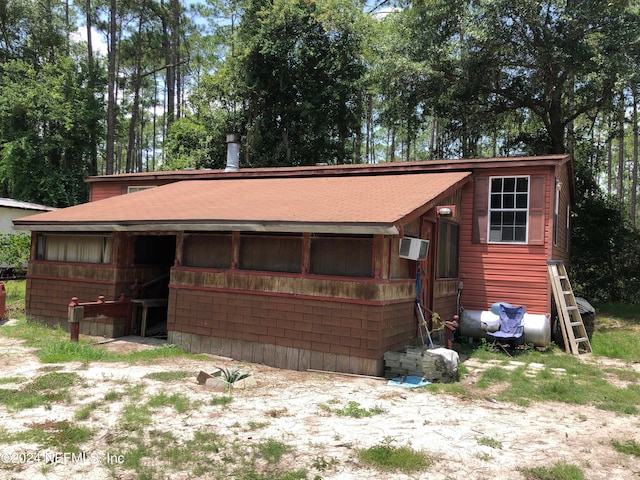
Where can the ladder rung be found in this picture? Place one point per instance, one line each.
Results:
(575, 324)
(571, 307)
(582, 339)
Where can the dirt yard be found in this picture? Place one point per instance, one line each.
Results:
(479, 439)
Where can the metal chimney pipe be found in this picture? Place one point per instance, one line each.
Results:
(233, 153)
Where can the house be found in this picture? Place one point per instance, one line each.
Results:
(300, 267)
(11, 209)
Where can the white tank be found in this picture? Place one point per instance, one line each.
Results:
(476, 324)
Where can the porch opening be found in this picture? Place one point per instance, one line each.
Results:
(153, 257)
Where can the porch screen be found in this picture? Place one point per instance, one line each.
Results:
(271, 253)
(343, 256)
(208, 251)
(75, 248)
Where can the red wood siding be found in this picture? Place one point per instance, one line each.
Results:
(48, 298)
(561, 249)
(102, 190)
(512, 273)
(350, 329)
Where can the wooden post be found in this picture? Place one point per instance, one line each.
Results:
(76, 314)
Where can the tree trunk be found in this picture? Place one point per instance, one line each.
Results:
(620, 176)
(111, 100)
(175, 40)
(634, 175)
(93, 143)
(131, 150)
(392, 148)
(169, 57)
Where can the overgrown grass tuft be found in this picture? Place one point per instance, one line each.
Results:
(387, 457)
(490, 442)
(559, 471)
(272, 450)
(352, 409)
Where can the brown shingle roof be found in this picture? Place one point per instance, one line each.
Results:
(356, 204)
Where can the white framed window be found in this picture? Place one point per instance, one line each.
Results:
(508, 209)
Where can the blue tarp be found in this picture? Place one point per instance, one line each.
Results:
(410, 381)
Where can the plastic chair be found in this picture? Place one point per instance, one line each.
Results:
(511, 330)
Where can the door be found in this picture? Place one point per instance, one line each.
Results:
(427, 267)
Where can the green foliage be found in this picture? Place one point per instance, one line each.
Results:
(43, 134)
(605, 258)
(233, 375)
(195, 143)
(299, 70)
(15, 250)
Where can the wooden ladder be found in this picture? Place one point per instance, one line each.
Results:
(576, 340)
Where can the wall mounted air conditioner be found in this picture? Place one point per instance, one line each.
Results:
(414, 248)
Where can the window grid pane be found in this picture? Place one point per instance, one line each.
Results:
(508, 209)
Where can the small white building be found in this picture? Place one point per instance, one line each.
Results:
(11, 209)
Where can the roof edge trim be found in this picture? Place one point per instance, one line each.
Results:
(356, 229)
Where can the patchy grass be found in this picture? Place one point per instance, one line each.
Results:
(616, 331)
(53, 346)
(628, 447)
(46, 389)
(564, 378)
(352, 409)
(272, 450)
(5, 380)
(84, 412)
(169, 376)
(389, 458)
(16, 290)
(581, 384)
(559, 471)
(180, 403)
(490, 442)
(222, 401)
(62, 436)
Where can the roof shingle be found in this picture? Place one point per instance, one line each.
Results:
(382, 200)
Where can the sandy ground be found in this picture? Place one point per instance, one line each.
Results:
(287, 407)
